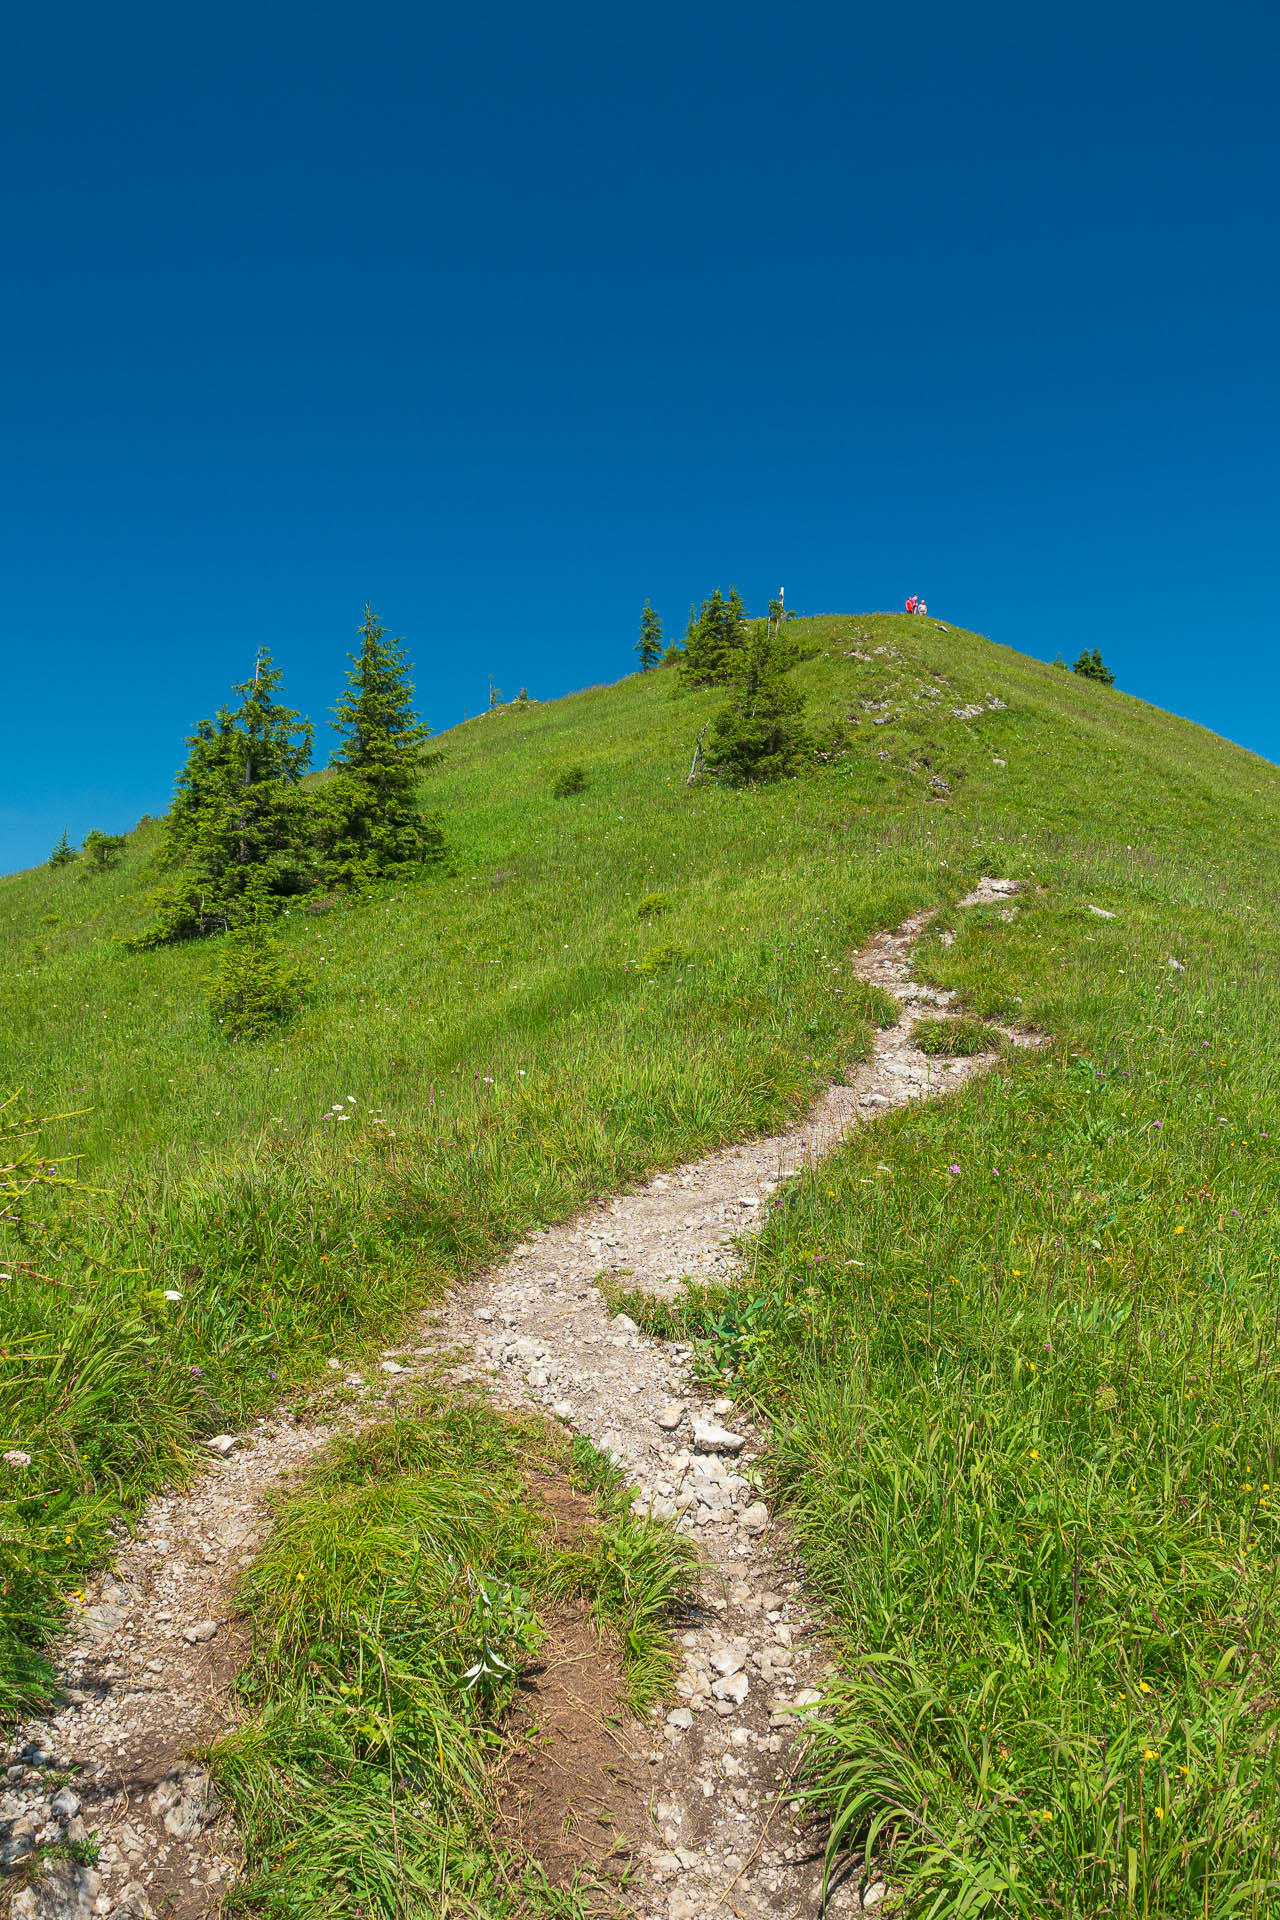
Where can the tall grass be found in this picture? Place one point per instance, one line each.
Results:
(1021, 1351)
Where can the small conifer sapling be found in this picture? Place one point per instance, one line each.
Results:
(649, 645)
(102, 850)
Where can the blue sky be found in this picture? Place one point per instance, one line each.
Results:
(504, 319)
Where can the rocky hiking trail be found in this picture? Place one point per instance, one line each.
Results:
(688, 1813)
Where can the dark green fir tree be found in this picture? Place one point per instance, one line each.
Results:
(1091, 666)
(649, 645)
(238, 829)
(63, 853)
(370, 820)
(713, 647)
(760, 734)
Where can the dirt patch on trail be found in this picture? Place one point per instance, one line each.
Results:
(572, 1514)
(573, 1793)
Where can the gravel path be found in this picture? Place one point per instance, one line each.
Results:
(149, 1657)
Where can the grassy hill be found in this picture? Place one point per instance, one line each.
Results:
(1025, 1411)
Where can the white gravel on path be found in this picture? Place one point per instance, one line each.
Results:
(149, 1657)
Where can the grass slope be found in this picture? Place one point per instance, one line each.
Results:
(1025, 1411)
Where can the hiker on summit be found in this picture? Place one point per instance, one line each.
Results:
(913, 603)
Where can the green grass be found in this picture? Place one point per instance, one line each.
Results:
(953, 1038)
(400, 1595)
(517, 1036)
(1020, 1349)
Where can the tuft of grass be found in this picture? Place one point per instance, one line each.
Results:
(954, 1038)
(642, 1578)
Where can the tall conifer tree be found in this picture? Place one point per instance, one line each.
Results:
(237, 831)
(714, 644)
(649, 645)
(370, 820)
(760, 735)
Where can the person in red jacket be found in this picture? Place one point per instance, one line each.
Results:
(912, 604)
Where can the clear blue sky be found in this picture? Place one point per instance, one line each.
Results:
(504, 318)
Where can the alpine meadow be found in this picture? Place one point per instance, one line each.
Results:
(311, 1054)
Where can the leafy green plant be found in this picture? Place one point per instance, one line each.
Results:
(663, 959)
(642, 1577)
(570, 780)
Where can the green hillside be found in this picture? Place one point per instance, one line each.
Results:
(1025, 1412)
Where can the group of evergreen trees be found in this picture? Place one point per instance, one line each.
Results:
(243, 833)
(760, 733)
(715, 643)
(1090, 666)
(100, 852)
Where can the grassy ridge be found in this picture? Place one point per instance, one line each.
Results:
(516, 1037)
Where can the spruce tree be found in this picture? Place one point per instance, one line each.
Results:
(102, 850)
(714, 644)
(1091, 666)
(63, 853)
(370, 820)
(760, 734)
(649, 645)
(238, 829)
(255, 987)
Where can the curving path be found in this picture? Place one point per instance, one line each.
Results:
(148, 1660)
